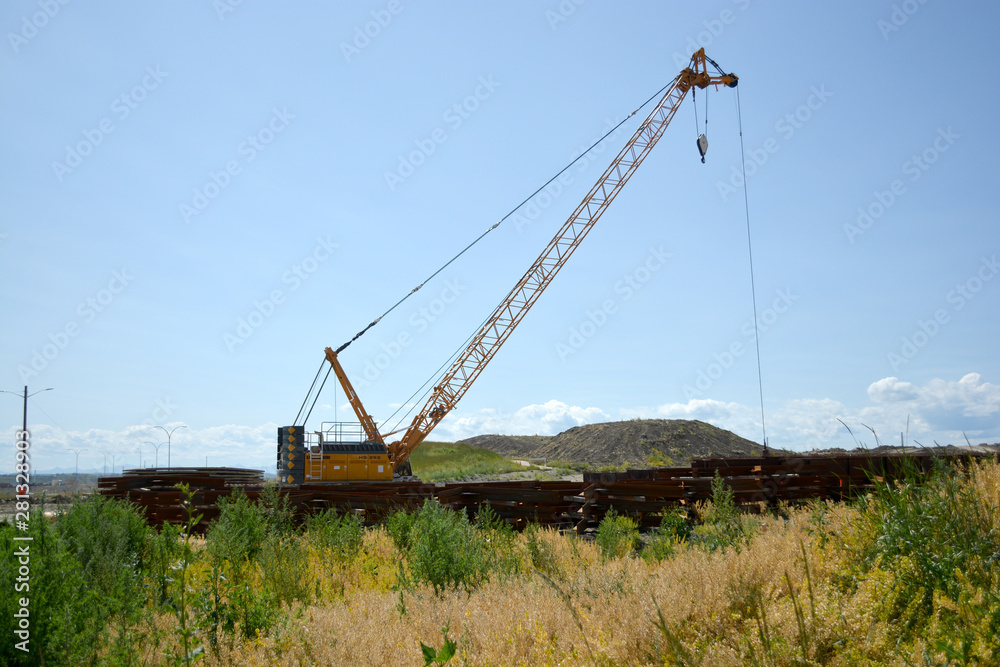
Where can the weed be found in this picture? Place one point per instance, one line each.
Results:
(181, 598)
(444, 549)
(617, 536)
(441, 655)
(340, 534)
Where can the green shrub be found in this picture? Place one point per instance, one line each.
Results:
(163, 550)
(443, 548)
(60, 603)
(237, 536)
(285, 572)
(108, 538)
(85, 571)
(279, 519)
(617, 536)
(723, 526)
(340, 534)
(499, 543)
(400, 526)
(674, 530)
(934, 535)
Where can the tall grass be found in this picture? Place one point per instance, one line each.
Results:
(906, 576)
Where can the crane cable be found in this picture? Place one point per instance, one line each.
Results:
(464, 250)
(504, 218)
(753, 290)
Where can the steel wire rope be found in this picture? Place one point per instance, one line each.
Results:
(753, 289)
(464, 250)
(509, 213)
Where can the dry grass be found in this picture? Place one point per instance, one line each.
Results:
(783, 599)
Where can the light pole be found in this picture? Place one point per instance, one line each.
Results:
(105, 461)
(112, 464)
(169, 433)
(26, 396)
(76, 474)
(138, 450)
(156, 463)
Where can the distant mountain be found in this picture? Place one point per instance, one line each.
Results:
(635, 443)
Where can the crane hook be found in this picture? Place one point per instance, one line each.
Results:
(702, 146)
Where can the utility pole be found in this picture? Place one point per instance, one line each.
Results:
(26, 396)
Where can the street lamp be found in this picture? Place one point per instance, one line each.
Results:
(105, 461)
(169, 433)
(76, 474)
(157, 448)
(26, 396)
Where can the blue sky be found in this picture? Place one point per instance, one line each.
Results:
(197, 198)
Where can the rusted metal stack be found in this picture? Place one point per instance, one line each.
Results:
(372, 500)
(518, 503)
(155, 490)
(640, 494)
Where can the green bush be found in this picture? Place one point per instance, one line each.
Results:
(237, 536)
(108, 538)
(446, 551)
(400, 526)
(722, 524)
(284, 565)
(934, 534)
(340, 534)
(617, 536)
(674, 530)
(84, 572)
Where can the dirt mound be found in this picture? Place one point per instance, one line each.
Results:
(638, 443)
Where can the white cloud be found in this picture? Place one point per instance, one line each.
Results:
(230, 445)
(892, 390)
(549, 418)
(967, 404)
(938, 410)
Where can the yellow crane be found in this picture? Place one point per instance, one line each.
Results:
(369, 457)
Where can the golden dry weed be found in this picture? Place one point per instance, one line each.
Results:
(786, 598)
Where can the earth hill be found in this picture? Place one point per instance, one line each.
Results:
(635, 443)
